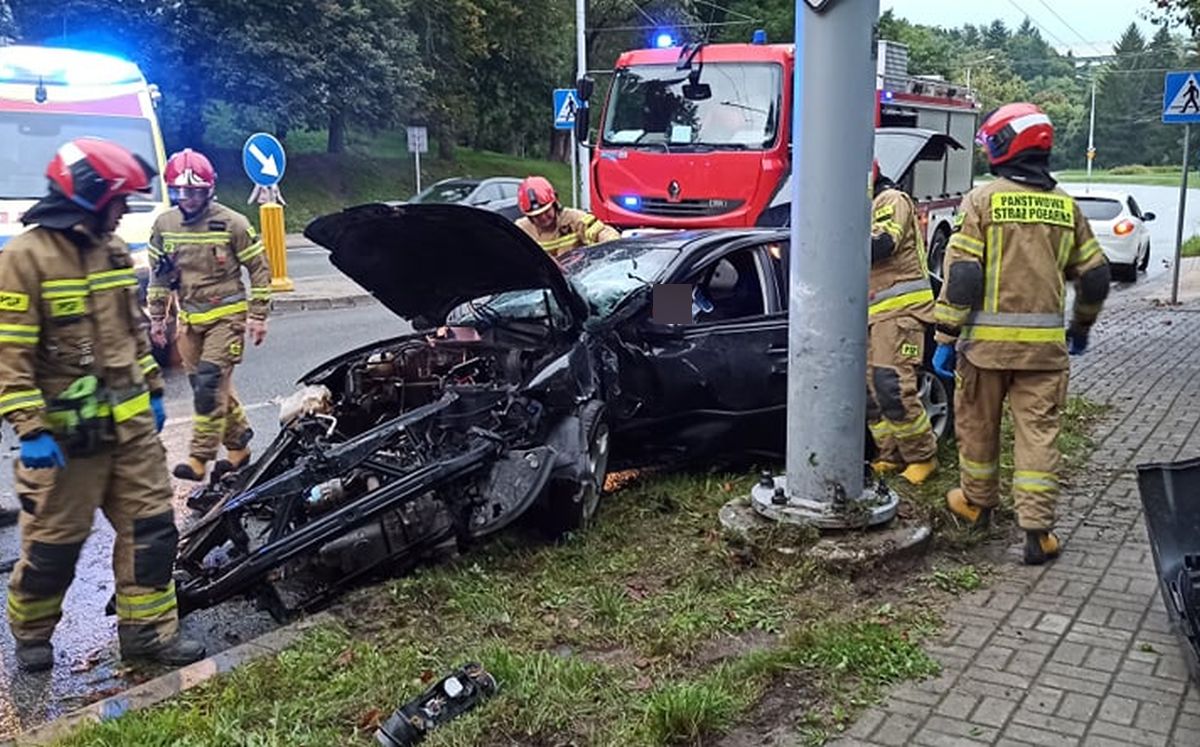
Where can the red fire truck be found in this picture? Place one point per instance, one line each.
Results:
(700, 136)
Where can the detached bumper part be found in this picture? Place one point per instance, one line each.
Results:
(446, 700)
(1170, 495)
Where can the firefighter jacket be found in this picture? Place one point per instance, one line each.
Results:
(1003, 297)
(202, 260)
(71, 322)
(899, 280)
(575, 228)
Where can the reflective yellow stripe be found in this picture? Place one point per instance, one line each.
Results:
(915, 298)
(1014, 334)
(148, 364)
(206, 423)
(1064, 250)
(196, 236)
(70, 288)
(14, 301)
(132, 407)
(202, 317)
(19, 334)
(995, 252)
(1030, 481)
(156, 293)
(881, 429)
(950, 315)
(34, 609)
(914, 429)
(978, 470)
(109, 279)
(146, 606)
(260, 294)
(883, 213)
(251, 252)
(20, 400)
(1089, 249)
(559, 242)
(892, 228)
(965, 243)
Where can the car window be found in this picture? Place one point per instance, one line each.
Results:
(730, 287)
(508, 190)
(487, 193)
(447, 192)
(1133, 207)
(1099, 208)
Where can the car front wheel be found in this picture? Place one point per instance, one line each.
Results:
(937, 397)
(572, 504)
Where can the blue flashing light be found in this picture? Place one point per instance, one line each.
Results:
(760, 36)
(885, 95)
(631, 202)
(663, 40)
(62, 66)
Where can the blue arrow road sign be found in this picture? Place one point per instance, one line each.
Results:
(566, 103)
(1181, 98)
(263, 159)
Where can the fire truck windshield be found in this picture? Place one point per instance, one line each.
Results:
(28, 141)
(732, 106)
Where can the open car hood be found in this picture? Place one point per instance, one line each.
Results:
(423, 259)
(898, 148)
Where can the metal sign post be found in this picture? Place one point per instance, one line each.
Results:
(566, 105)
(827, 300)
(581, 65)
(1181, 105)
(418, 143)
(264, 161)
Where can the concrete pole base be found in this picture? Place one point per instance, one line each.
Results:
(877, 505)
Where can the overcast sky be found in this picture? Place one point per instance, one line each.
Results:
(1097, 22)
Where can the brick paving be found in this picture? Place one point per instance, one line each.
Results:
(1078, 652)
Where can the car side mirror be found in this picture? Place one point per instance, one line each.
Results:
(582, 125)
(584, 88)
(1147, 217)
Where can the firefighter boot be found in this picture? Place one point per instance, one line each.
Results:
(237, 456)
(918, 472)
(975, 516)
(1040, 546)
(35, 656)
(883, 467)
(176, 652)
(193, 469)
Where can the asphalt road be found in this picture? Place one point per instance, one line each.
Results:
(87, 665)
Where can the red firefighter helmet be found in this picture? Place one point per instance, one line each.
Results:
(536, 195)
(189, 168)
(92, 172)
(1014, 129)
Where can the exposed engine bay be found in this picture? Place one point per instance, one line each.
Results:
(388, 456)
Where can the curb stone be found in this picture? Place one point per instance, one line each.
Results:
(171, 684)
(321, 303)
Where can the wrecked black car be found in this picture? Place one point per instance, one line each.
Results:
(526, 380)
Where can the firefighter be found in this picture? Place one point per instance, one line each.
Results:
(556, 228)
(1000, 317)
(81, 388)
(900, 307)
(198, 249)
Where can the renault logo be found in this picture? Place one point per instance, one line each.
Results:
(673, 191)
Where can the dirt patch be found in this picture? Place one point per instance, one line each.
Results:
(779, 716)
(733, 646)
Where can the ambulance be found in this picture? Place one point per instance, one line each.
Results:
(49, 95)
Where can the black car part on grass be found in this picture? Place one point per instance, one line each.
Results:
(446, 700)
(1170, 495)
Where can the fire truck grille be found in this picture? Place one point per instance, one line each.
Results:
(688, 208)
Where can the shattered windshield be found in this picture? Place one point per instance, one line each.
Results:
(605, 274)
(732, 106)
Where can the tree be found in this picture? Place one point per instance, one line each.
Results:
(8, 25)
(1121, 122)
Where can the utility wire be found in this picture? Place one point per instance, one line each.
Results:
(1054, 13)
(1035, 22)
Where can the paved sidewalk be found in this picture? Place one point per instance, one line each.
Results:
(1079, 651)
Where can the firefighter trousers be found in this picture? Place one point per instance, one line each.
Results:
(209, 352)
(1036, 399)
(127, 481)
(897, 418)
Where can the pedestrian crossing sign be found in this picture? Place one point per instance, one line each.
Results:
(1181, 98)
(566, 104)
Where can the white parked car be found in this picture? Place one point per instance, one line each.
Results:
(1120, 227)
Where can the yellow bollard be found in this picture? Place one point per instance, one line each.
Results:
(275, 240)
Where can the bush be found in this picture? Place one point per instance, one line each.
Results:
(1191, 247)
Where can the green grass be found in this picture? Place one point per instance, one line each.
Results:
(648, 629)
(372, 168)
(1161, 176)
(1191, 247)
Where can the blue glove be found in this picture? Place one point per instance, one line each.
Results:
(1077, 339)
(41, 452)
(160, 412)
(943, 360)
